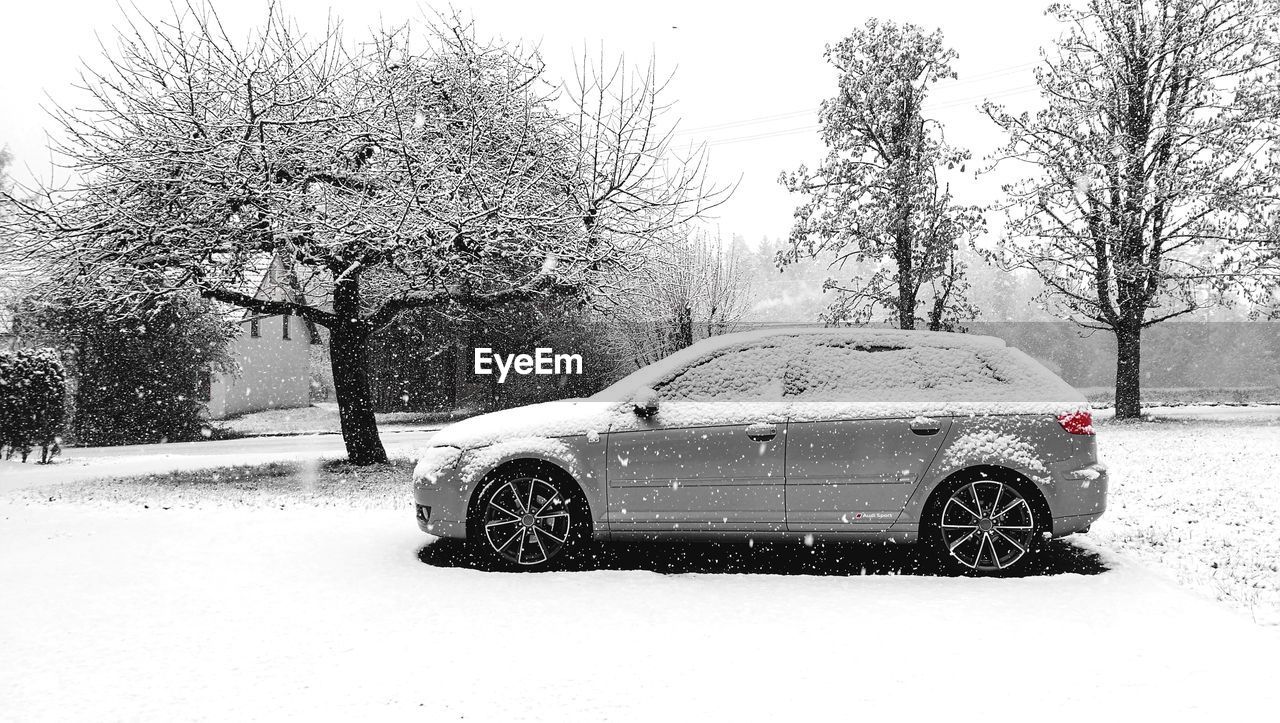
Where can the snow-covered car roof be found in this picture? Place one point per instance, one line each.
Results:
(786, 341)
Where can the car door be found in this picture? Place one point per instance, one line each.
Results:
(857, 473)
(849, 465)
(711, 457)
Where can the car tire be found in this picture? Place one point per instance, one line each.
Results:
(984, 525)
(528, 520)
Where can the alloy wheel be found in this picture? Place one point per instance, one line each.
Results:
(527, 521)
(987, 525)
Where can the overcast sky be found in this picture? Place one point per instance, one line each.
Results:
(748, 80)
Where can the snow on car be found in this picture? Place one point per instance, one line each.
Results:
(953, 440)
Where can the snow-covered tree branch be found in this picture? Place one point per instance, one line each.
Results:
(421, 167)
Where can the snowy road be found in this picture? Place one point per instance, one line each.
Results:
(83, 463)
(329, 614)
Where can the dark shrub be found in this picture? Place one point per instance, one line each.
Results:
(139, 373)
(32, 398)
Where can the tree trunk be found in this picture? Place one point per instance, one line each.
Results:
(348, 352)
(906, 148)
(1129, 371)
(902, 248)
(935, 317)
(683, 332)
(906, 308)
(349, 356)
(906, 272)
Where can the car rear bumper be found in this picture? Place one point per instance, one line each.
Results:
(1077, 492)
(1076, 523)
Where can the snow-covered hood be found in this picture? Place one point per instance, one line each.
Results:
(566, 418)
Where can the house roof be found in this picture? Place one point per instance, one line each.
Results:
(275, 278)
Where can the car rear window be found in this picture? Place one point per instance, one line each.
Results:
(833, 372)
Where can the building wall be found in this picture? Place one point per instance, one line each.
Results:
(9, 339)
(273, 372)
(321, 368)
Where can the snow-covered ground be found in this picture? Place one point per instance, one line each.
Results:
(1204, 413)
(1200, 501)
(320, 418)
(79, 464)
(222, 613)
(256, 602)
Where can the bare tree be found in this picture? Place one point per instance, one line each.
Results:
(636, 185)
(1153, 166)
(421, 168)
(16, 276)
(6, 158)
(6, 204)
(876, 204)
(640, 194)
(693, 286)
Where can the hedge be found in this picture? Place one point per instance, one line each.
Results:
(33, 389)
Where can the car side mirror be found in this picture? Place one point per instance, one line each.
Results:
(645, 402)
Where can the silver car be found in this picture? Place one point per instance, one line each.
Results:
(955, 441)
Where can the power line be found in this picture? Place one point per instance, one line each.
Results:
(762, 136)
(815, 127)
(995, 73)
(747, 121)
(1019, 90)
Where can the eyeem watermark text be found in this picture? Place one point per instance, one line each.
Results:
(542, 361)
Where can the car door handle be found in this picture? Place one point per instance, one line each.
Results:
(924, 426)
(762, 432)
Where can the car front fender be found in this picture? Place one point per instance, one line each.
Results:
(581, 457)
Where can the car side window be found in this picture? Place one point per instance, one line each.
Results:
(831, 372)
(753, 374)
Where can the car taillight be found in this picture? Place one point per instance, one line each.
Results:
(1079, 422)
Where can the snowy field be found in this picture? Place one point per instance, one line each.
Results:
(256, 601)
(1200, 501)
(81, 464)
